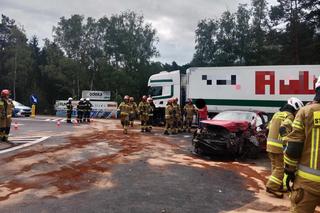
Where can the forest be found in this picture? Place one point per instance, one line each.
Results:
(119, 52)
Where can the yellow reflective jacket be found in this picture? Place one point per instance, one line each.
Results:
(189, 111)
(125, 108)
(275, 142)
(306, 130)
(169, 112)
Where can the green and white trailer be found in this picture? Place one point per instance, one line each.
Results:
(264, 88)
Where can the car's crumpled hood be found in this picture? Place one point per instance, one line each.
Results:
(232, 126)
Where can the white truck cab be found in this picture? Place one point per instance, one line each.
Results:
(163, 86)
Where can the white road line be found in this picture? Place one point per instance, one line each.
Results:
(24, 145)
(48, 119)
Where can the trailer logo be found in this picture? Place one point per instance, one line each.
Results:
(290, 87)
(232, 81)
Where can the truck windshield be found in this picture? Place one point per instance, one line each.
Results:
(155, 91)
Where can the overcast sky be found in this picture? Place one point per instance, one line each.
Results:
(174, 20)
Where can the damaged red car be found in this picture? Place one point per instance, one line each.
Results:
(232, 133)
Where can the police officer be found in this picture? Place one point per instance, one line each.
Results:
(189, 110)
(6, 110)
(280, 126)
(144, 109)
(69, 110)
(133, 112)
(80, 110)
(152, 108)
(87, 110)
(125, 109)
(302, 157)
(169, 118)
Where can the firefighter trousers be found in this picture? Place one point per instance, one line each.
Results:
(5, 125)
(188, 124)
(144, 119)
(303, 201)
(275, 181)
(169, 126)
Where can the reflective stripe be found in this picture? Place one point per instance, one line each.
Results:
(314, 148)
(315, 166)
(309, 173)
(275, 180)
(289, 161)
(309, 170)
(274, 142)
(297, 124)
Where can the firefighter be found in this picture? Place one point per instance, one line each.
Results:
(87, 110)
(6, 110)
(188, 111)
(143, 109)
(125, 109)
(169, 118)
(80, 109)
(279, 127)
(152, 108)
(69, 110)
(177, 123)
(302, 159)
(133, 112)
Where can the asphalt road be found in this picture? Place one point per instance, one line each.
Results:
(95, 168)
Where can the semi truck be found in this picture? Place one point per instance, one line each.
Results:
(263, 88)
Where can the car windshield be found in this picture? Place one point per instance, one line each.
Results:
(17, 103)
(234, 115)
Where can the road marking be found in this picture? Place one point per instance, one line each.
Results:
(32, 142)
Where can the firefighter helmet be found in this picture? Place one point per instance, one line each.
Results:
(81, 99)
(295, 103)
(87, 99)
(126, 97)
(144, 97)
(131, 98)
(5, 92)
(149, 99)
(70, 99)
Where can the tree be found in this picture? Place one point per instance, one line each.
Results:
(206, 42)
(226, 40)
(259, 30)
(243, 36)
(69, 36)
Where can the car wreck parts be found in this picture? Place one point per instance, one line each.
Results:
(241, 141)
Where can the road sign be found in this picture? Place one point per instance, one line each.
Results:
(97, 95)
(34, 99)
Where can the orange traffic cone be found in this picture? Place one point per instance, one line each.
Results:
(15, 126)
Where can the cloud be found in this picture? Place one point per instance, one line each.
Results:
(174, 20)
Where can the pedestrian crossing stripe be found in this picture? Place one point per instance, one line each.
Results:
(22, 142)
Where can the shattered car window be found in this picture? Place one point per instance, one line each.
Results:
(234, 115)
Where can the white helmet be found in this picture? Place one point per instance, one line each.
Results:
(87, 99)
(149, 99)
(70, 99)
(295, 103)
(81, 99)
